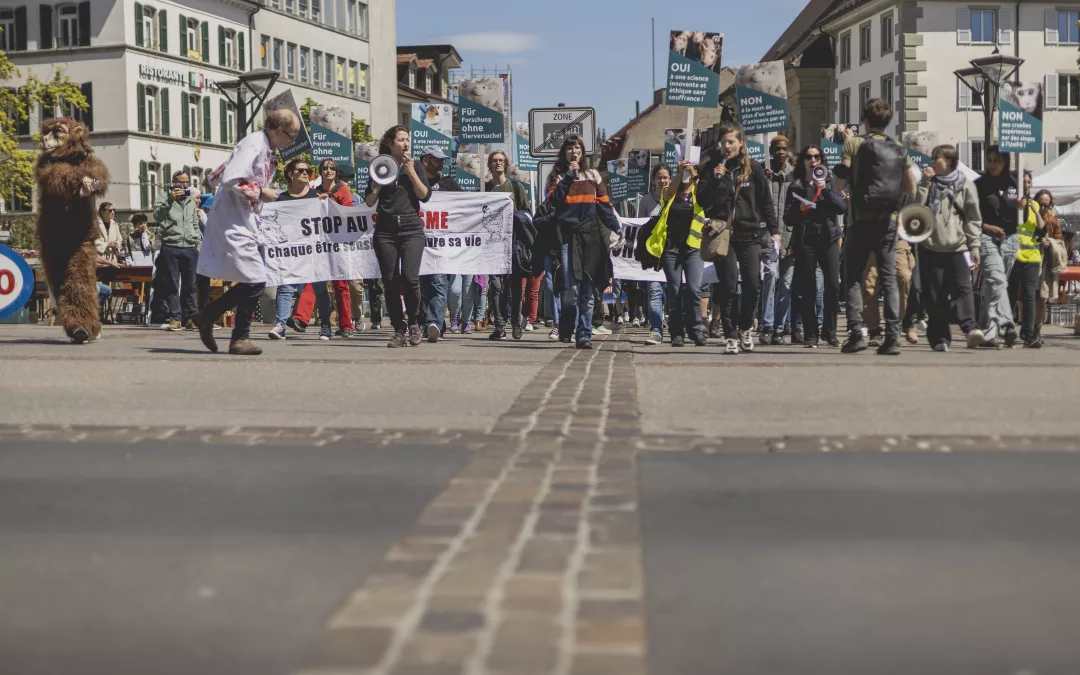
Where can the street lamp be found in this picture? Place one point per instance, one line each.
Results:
(983, 78)
(258, 84)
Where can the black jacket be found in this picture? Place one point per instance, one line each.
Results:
(754, 211)
(830, 206)
(997, 201)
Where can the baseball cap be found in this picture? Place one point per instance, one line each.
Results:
(433, 151)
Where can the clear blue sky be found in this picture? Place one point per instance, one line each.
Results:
(588, 52)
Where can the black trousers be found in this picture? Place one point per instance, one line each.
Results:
(176, 282)
(244, 297)
(863, 239)
(810, 253)
(374, 290)
(743, 260)
(506, 297)
(399, 246)
(946, 280)
(1024, 284)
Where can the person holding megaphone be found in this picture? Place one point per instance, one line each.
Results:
(399, 234)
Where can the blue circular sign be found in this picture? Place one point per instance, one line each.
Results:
(16, 282)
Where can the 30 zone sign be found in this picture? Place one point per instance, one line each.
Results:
(16, 282)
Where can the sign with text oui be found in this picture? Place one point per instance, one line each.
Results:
(481, 110)
(431, 126)
(693, 78)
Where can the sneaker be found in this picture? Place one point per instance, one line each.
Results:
(340, 332)
(325, 333)
(497, 334)
(636, 323)
(601, 330)
(244, 348)
(1011, 337)
(518, 331)
(700, 339)
(278, 332)
(359, 325)
(941, 347)
(166, 326)
(732, 346)
(766, 336)
(747, 343)
(797, 336)
(584, 345)
(654, 339)
(911, 336)
(190, 325)
(1033, 343)
(975, 338)
(875, 340)
(619, 320)
(433, 333)
(992, 343)
(296, 324)
(677, 341)
(832, 341)
(890, 346)
(455, 327)
(777, 338)
(376, 326)
(466, 328)
(922, 325)
(549, 323)
(175, 326)
(856, 342)
(397, 340)
(626, 317)
(529, 327)
(811, 343)
(554, 334)
(415, 337)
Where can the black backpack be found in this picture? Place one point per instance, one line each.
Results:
(524, 243)
(641, 252)
(879, 184)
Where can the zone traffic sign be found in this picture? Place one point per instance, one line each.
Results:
(549, 126)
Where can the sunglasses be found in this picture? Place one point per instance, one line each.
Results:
(814, 156)
(328, 168)
(302, 169)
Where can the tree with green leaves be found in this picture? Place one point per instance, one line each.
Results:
(58, 92)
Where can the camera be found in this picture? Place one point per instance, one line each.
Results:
(819, 172)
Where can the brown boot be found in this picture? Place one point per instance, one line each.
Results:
(244, 348)
(205, 325)
(398, 340)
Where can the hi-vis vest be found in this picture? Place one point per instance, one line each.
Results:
(1029, 246)
(656, 241)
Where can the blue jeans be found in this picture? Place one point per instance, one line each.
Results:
(684, 298)
(654, 299)
(796, 315)
(462, 295)
(433, 288)
(776, 293)
(996, 315)
(578, 298)
(283, 301)
(549, 286)
(103, 293)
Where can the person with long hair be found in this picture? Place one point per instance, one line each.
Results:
(399, 235)
(812, 210)
(581, 210)
(506, 290)
(735, 187)
(649, 206)
(998, 196)
(1048, 288)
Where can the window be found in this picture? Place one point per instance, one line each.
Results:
(1068, 91)
(887, 89)
(192, 34)
(361, 19)
(412, 78)
(193, 116)
(1065, 146)
(290, 62)
(276, 4)
(229, 51)
(977, 156)
(230, 125)
(305, 58)
(1068, 31)
(316, 10)
(279, 46)
(984, 25)
(887, 33)
(153, 177)
(316, 68)
(350, 15)
(67, 34)
(845, 51)
(149, 33)
(328, 72)
(8, 35)
(340, 74)
(352, 78)
(151, 110)
(843, 113)
(865, 31)
(363, 80)
(303, 9)
(264, 52)
(864, 95)
(427, 82)
(290, 6)
(969, 100)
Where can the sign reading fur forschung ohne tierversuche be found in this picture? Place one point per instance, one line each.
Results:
(481, 110)
(694, 69)
(318, 240)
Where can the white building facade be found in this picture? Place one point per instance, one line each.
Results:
(905, 51)
(149, 70)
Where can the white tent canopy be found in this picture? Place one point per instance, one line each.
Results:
(1061, 177)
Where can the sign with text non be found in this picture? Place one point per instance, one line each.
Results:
(761, 92)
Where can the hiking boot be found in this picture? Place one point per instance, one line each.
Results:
(244, 348)
(875, 339)
(700, 339)
(190, 325)
(415, 337)
(890, 346)
(175, 326)
(677, 341)
(397, 340)
(206, 331)
(296, 324)
(518, 331)
(856, 342)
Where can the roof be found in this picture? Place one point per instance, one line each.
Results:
(841, 7)
(425, 63)
(800, 33)
(421, 96)
(441, 51)
(405, 58)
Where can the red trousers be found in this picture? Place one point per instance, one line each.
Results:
(530, 291)
(306, 304)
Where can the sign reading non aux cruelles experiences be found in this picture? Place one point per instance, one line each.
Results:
(761, 92)
(481, 110)
(694, 69)
(637, 172)
(1020, 117)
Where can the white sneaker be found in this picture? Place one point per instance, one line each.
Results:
(618, 320)
(601, 330)
(654, 339)
(747, 342)
(626, 317)
(359, 325)
(975, 339)
(529, 327)
(941, 347)
(166, 325)
(636, 323)
(732, 346)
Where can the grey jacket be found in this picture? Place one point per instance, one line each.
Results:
(953, 233)
(178, 222)
(779, 185)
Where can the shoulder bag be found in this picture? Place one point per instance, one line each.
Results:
(716, 235)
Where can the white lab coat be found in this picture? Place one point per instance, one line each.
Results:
(230, 246)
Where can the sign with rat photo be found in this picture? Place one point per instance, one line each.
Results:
(761, 92)
(694, 69)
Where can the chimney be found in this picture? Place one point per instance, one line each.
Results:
(658, 96)
(637, 108)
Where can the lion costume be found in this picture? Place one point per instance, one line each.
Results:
(69, 180)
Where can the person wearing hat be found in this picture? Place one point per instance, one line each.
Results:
(433, 287)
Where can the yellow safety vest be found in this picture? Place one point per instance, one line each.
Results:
(1029, 251)
(655, 244)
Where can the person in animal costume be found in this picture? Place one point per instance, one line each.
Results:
(70, 179)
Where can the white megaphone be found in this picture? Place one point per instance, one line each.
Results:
(915, 224)
(384, 169)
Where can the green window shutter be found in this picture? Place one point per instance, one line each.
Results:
(206, 42)
(163, 31)
(84, 23)
(138, 25)
(187, 169)
(45, 14)
(207, 136)
(241, 62)
(166, 176)
(144, 189)
(220, 45)
(184, 114)
(163, 93)
(140, 99)
(20, 28)
(87, 115)
(183, 36)
(222, 111)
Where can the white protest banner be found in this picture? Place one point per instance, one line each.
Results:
(624, 266)
(307, 240)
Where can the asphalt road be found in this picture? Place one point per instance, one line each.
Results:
(827, 564)
(178, 560)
